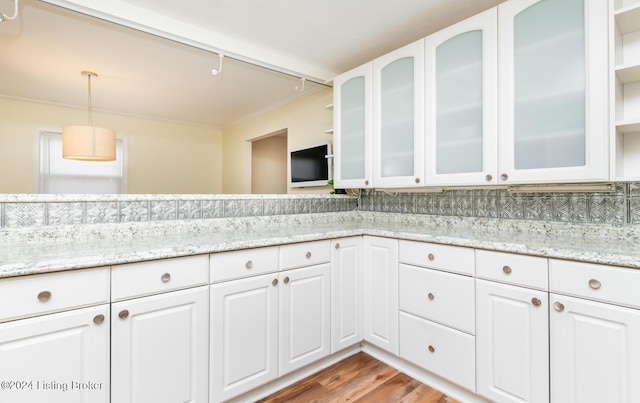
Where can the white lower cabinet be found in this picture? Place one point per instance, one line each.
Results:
(244, 335)
(305, 306)
(56, 358)
(380, 282)
(160, 347)
(346, 293)
(595, 352)
(512, 343)
(439, 349)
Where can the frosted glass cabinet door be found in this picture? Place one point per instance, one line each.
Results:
(398, 126)
(352, 128)
(553, 103)
(461, 107)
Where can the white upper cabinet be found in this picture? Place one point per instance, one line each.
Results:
(352, 128)
(398, 117)
(461, 109)
(552, 91)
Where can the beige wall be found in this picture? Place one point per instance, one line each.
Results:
(269, 165)
(162, 157)
(305, 121)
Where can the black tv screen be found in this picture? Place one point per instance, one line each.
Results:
(310, 166)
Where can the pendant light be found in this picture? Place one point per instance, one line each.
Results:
(88, 143)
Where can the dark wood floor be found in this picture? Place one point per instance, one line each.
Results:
(362, 379)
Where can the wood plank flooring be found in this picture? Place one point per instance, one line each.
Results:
(359, 379)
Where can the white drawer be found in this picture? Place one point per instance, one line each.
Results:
(455, 259)
(510, 268)
(439, 349)
(617, 285)
(441, 297)
(243, 263)
(43, 293)
(145, 278)
(304, 254)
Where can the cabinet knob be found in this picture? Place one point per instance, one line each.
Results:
(430, 256)
(337, 245)
(308, 255)
(536, 302)
(98, 319)
(594, 284)
(366, 183)
(504, 177)
(275, 282)
(417, 180)
(165, 277)
(558, 306)
(249, 264)
(44, 296)
(488, 178)
(431, 296)
(123, 314)
(286, 280)
(506, 269)
(432, 349)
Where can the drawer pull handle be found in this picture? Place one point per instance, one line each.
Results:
(594, 284)
(44, 296)
(249, 264)
(432, 349)
(165, 277)
(536, 302)
(275, 282)
(558, 306)
(123, 314)
(286, 280)
(98, 319)
(337, 246)
(431, 296)
(430, 256)
(506, 269)
(308, 255)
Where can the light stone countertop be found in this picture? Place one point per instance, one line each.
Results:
(27, 251)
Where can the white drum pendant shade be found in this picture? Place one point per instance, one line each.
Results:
(88, 143)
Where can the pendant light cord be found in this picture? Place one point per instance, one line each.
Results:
(90, 119)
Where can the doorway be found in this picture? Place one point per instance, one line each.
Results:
(269, 163)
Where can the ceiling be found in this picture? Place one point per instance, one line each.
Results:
(269, 45)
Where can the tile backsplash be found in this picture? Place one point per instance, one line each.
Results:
(43, 210)
(616, 208)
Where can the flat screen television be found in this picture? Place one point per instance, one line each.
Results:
(310, 166)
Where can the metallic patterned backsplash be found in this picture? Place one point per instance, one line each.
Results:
(42, 210)
(617, 208)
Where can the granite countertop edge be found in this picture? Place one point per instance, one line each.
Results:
(560, 241)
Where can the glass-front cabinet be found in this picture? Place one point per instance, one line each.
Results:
(398, 117)
(553, 103)
(352, 128)
(461, 107)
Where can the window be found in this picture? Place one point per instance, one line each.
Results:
(58, 175)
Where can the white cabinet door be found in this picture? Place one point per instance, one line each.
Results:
(461, 102)
(380, 281)
(512, 343)
(244, 335)
(553, 91)
(56, 358)
(595, 352)
(346, 293)
(398, 117)
(352, 128)
(305, 309)
(160, 348)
